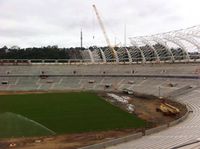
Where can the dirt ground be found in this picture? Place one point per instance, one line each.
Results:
(69, 141)
(144, 108)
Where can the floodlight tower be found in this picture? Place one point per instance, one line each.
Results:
(81, 38)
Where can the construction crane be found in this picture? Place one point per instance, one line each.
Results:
(113, 52)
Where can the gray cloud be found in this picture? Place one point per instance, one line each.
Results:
(43, 22)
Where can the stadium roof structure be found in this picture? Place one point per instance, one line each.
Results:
(179, 45)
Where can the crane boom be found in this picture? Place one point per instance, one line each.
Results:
(104, 32)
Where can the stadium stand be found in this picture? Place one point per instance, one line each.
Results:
(53, 77)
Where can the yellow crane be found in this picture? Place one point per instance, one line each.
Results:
(105, 33)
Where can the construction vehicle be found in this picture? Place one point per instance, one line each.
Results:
(113, 52)
(168, 109)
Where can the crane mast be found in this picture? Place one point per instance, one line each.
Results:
(104, 32)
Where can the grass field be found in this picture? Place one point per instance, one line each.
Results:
(44, 114)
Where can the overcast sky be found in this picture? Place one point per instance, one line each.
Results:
(28, 23)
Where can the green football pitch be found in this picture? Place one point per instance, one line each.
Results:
(59, 113)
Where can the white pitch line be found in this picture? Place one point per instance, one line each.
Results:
(32, 121)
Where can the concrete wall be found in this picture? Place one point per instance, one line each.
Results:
(114, 142)
(179, 120)
(157, 69)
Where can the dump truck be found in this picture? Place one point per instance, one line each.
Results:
(168, 109)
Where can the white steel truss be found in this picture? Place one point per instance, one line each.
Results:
(170, 46)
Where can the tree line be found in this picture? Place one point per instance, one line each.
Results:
(48, 52)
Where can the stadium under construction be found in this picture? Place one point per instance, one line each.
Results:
(163, 65)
